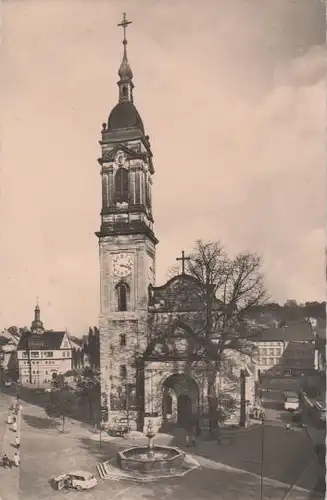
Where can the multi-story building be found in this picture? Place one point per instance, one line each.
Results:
(42, 353)
(287, 349)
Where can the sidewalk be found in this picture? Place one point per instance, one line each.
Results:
(9, 478)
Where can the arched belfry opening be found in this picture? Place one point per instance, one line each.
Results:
(122, 295)
(121, 185)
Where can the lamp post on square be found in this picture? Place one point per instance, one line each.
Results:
(262, 455)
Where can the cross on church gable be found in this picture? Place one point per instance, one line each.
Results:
(183, 293)
(183, 259)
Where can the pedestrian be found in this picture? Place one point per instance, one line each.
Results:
(6, 462)
(189, 427)
(194, 431)
(17, 441)
(16, 459)
(14, 419)
(218, 433)
(288, 427)
(9, 419)
(14, 426)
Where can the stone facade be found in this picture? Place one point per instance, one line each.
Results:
(151, 364)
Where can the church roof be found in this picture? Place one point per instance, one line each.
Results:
(125, 115)
(182, 292)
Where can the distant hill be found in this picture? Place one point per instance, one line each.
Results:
(290, 311)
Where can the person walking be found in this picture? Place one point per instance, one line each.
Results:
(14, 426)
(189, 426)
(16, 459)
(9, 419)
(17, 442)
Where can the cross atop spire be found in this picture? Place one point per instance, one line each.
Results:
(124, 25)
(125, 73)
(183, 259)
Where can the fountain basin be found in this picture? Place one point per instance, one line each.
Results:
(146, 461)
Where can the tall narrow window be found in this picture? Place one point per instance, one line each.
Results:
(122, 296)
(123, 371)
(122, 340)
(121, 185)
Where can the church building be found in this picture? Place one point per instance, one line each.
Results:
(150, 360)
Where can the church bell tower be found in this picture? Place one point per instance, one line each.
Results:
(126, 243)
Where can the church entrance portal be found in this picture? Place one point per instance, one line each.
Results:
(180, 399)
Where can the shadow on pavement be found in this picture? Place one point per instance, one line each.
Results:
(40, 398)
(106, 451)
(40, 422)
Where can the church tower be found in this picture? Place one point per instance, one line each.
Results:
(126, 244)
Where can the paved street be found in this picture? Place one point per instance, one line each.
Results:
(230, 471)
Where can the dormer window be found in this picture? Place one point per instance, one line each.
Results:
(121, 185)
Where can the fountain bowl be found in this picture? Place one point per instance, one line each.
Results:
(146, 461)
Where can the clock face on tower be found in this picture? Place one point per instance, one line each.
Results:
(122, 265)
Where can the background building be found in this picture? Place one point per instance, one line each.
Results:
(286, 349)
(42, 353)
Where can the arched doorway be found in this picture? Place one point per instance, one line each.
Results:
(180, 398)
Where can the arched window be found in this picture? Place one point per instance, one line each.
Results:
(121, 185)
(122, 296)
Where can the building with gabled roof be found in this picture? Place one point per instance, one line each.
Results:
(286, 350)
(41, 353)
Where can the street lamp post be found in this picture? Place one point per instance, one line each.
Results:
(262, 455)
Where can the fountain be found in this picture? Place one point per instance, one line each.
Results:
(151, 458)
(148, 462)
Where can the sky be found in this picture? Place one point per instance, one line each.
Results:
(232, 95)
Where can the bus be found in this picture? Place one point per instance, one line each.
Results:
(291, 401)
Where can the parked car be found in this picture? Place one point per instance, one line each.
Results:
(119, 427)
(78, 480)
(8, 383)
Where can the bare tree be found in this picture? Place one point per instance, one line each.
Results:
(229, 289)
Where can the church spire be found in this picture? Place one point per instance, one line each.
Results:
(37, 324)
(125, 73)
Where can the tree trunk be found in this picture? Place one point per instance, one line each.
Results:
(140, 396)
(90, 408)
(212, 400)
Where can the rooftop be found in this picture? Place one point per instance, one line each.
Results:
(48, 340)
(295, 331)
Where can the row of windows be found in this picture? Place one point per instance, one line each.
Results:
(269, 361)
(278, 343)
(44, 354)
(36, 380)
(46, 362)
(271, 352)
(34, 372)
